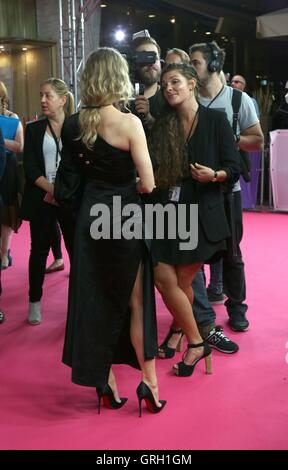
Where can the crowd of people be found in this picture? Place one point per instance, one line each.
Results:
(172, 147)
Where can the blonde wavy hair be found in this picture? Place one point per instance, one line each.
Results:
(3, 98)
(104, 81)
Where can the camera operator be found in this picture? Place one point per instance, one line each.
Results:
(147, 106)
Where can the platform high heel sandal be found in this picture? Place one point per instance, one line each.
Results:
(165, 350)
(185, 370)
(144, 393)
(108, 398)
(6, 261)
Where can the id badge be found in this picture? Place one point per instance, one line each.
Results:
(174, 193)
(51, 177)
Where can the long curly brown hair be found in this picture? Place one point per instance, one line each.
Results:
(167, 141)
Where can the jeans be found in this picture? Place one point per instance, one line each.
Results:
(233, 278)
(203, 312)
(233, 267)
(216, 277)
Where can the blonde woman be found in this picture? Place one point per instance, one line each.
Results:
(41, 160)
(111, 310)
(12, 131)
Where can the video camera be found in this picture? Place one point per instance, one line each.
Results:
(143, 58)
(139, 58)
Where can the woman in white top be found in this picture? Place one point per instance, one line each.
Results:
(41, 159)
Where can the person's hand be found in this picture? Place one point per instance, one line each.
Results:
(142, 106)
(51, 189)
(50, 199)
(201, 173)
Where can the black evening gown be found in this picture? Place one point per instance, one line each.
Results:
(104, 271)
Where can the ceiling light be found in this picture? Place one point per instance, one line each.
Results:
(208, 33)
(1, 47)
(119, 35)
(151, 16)
(24, 48)
(103, 5)
(173, 20)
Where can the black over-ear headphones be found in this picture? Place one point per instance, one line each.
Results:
(214, 63)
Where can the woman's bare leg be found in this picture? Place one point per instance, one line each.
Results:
(137, 337)
(174, 284)
(113, 385)
(6, 236)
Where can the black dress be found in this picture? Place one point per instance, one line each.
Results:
(104, 270)
(212, 145)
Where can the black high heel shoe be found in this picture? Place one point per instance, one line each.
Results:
(108, 398)
(166, 351)
(144, 393)
(185, 370)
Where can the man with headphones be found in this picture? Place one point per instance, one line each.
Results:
(208, 60)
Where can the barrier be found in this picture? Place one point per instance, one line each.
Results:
(279, 168)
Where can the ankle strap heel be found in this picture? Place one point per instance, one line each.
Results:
(166, 351)
(185, 370)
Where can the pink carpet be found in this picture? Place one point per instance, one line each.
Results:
(243, 405)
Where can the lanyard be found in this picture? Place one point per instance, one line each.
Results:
(56, 142)
(192, 126)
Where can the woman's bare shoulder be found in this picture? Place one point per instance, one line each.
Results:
(9, 113)
(131, 122)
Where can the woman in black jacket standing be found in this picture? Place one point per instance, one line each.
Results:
(194, 151)
(41, 159)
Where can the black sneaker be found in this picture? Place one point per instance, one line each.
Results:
(216, 299)
(216, 339)
(238, 322)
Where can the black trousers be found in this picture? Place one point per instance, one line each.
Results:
(233, 266)
(41, 232)
(56, 241)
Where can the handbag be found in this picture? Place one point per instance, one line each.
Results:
(69, 185)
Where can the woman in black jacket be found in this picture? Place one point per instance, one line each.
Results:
(195, 153)
(41, 159)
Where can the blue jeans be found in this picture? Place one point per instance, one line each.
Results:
(203, 312)
(216, 277)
